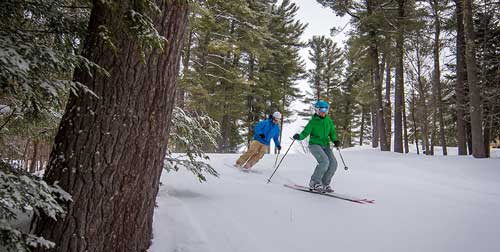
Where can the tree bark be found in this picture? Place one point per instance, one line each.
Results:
(415, 128)
(423, 108)
(109, 151)
(224, 145)
(226, 120)
(251, 115)
(399, 86)
(437, 74)
(468, 136)
(374, 114)
(374, 124)
(25, 155)
(34, 157)
(346, 138)
(433, 126)
(487, 130)
(478, 150)
(405, 129)
(362, 126)
(387, 105)
(459, 84)
(377, 82)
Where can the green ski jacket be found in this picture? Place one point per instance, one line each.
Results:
(322, 130)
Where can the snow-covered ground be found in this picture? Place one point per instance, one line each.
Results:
(422, 203)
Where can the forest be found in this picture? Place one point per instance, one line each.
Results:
(100, 96)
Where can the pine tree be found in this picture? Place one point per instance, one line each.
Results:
(109, 149)
(326, 76)
(392, 34)
(399, 86)
(315, 76)
(285, 66)
(243, 50)
(476, 113)
(374, 30)
(460, 80)
(436, 7)
(487, 21)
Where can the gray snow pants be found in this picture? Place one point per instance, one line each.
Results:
(327, 164)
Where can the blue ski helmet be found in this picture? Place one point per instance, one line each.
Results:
(321, 104)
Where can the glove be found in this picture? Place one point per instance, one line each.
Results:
(262, 136)
(296, 136)
(336, 143)
(278, 147)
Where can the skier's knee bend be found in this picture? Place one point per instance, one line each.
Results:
(332, 166)
(324, 163)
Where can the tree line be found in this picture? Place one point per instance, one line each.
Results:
(113, 87)
(437, 61)
(240, 63)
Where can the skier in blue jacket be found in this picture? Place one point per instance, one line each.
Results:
(263, 133)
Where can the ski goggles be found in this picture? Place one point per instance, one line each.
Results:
(323, 110)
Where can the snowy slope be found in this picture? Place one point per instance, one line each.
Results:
(422, 204)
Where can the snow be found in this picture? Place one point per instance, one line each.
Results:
(422, 203)
(5, 110)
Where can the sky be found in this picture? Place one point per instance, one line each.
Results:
(320, 20)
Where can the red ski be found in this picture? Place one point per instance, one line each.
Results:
(332, 194)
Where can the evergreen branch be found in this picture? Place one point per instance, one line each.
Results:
(57, 6)
(8, 119)
(220, 77)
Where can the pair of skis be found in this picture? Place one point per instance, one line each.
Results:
(307, 189)
(244, 170)
(331, 194)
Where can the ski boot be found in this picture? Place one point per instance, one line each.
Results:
(316, 187)
(327, 189)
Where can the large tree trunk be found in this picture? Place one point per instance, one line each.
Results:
(478, 149)
(459, 85)
(405, 129)
(377, 82)
(374, 124)
(468, 137)
(362, 126)
(347, 137)
(423, 109)
(433, 126)
(437, 74)
(374, 120)
(227, 118)
(109, 151)
(252, 113)
(415, 128)
(34, 157)
(488, 129)
(25, 155)
(224, 144)
(387, 103)
(399, 86)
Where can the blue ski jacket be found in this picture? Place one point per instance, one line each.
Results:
(270, 131)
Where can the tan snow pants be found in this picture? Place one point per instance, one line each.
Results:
(254, 153)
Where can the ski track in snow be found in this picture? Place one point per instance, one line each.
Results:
(421, 204)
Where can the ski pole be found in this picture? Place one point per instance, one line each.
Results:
(276, 161)
(345, 166)
(269, 180)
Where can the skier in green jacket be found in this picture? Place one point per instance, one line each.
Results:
(321, 130)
